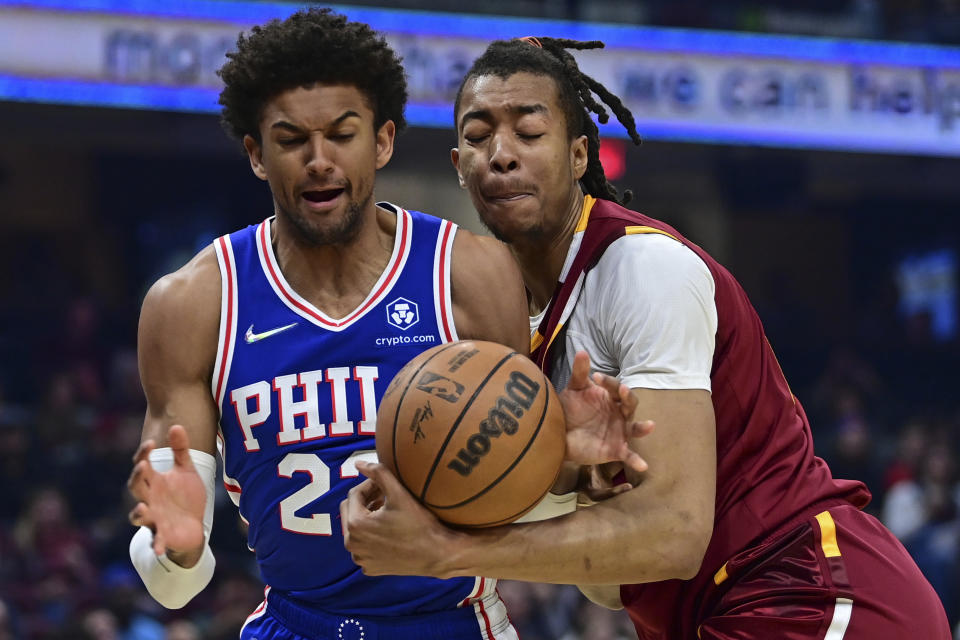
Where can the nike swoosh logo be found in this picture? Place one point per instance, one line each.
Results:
(252, 337)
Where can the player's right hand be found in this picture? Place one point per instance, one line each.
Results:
(388, 532)
(170, 503)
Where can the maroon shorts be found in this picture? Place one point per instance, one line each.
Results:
(839, 576)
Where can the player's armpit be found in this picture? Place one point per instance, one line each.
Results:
(489, 300)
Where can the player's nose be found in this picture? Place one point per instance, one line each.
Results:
(320, 157)
(503, 155)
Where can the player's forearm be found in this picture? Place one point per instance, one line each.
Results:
(615, 542)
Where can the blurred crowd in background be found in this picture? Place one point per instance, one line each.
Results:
(71, 408)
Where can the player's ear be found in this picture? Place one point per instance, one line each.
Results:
(455, 159)
(578, 156)
(385, 136)
(255, 154)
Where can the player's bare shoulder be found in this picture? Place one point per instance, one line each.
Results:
(180, 316)
(489, 299)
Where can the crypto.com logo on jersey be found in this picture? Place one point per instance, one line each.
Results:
(402, 314)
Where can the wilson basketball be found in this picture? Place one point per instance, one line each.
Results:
(474, 430)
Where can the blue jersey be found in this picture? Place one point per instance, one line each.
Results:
(298, 392)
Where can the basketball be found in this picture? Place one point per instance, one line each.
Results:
(474, 430)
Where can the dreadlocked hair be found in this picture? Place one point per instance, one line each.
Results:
(312, 46)
(549, 57)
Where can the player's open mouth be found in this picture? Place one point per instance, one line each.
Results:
(322, 200)
(322, 196)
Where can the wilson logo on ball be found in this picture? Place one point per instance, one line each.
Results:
(519, 393)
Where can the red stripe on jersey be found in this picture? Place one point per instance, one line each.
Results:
(227, 336)
(442, 273)
(486, 619)
(403, 228)
(232, 488)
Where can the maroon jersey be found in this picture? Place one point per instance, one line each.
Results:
(768, 478)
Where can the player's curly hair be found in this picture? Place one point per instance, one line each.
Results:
(549, 57)
(311, 46)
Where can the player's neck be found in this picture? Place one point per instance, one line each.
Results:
(541, 259)
(336, 277)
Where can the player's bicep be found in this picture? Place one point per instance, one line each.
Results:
(176, 346)
(489, 299)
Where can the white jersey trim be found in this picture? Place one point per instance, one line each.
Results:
(442, 266)
(228, 319)
(306, 310)
(489, 608)
(842, 611)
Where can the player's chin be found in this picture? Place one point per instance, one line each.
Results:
(512, 221)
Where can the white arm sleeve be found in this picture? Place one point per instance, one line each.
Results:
(552, 505)
(170, 584)
(652, 318)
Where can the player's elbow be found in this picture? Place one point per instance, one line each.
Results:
(689, 546)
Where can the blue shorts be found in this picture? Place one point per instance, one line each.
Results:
(282, 618)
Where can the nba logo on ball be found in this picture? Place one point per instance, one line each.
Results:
(402, 314)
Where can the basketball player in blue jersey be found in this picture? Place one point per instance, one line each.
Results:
(274, 345)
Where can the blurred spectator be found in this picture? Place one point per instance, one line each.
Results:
(852, 454)
(8, 629)
(237, 595)
(935, 545)
(182, 630)
(597, 623)
(912, 442)
(57, 574)
(912, 503)
(136, 614)
(17, 474)
(101, 624)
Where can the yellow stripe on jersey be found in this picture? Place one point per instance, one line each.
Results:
(535, 341)
(555, 332)
(720, 575)
(642, 229)
(588, 202)
(828, 535)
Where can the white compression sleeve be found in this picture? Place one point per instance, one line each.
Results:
(170, 584)
(551, 506)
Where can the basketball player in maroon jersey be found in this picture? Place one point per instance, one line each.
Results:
(736, 530)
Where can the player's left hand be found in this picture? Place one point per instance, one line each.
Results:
(600, 418)
(388, 532)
